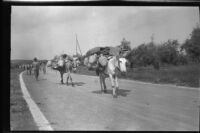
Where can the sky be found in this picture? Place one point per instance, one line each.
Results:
(46, 31)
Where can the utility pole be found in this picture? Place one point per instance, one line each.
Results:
(77, 45)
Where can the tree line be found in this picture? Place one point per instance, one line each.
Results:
(170, 52)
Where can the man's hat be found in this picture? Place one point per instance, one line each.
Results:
(35, 59)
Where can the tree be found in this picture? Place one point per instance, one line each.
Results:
(125, 45)
(168, 52)
(143, 55)
(192, 45)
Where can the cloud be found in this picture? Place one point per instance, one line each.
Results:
(46, 31)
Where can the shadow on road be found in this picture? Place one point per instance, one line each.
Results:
(42, 79)
(77, 83)
(120, 92)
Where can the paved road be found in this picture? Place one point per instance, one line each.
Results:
(138, 107)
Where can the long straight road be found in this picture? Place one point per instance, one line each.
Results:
(139, 106)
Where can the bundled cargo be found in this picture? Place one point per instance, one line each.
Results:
(86, 61)
(60, 62)
(92, 58)
(93, 51)
(91, 62)
(103, 60)
(66, 57)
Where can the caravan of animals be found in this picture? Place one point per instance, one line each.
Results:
(105, 61)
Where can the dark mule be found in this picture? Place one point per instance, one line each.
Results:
(68, 67)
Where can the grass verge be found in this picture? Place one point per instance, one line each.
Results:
(20, 115)
(187, 75)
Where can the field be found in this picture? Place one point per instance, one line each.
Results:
(20, 116)
(187, 75)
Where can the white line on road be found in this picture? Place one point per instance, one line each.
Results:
(39, 118)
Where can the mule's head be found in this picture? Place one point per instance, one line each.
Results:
(75, 64)
(122, 64)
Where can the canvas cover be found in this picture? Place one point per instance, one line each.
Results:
(113, 51)
(93, 51)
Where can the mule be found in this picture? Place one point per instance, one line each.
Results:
(68, 67)
(110, 70)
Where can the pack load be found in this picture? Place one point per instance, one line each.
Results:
(66, 57)
(90, 62)
(60, 62)
(94, 54)
(86, 61)
(107, 51)
(92, 58)
(103, 61)
(93, 51)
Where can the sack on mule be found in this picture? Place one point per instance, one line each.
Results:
(103, 60)
(60, 63)
(86, 61)
(92, 58)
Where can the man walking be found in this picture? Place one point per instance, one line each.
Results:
(44, 67)
(36, 67)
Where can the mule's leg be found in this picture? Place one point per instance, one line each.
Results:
(112, 83)
(116, 83)
(101, 83)
(71, 79)
(104, 84)
(67, 79)
(61, 75)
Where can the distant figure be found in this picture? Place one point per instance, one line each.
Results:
(29, 69)
(43, 65)
(36, 67)
(24, 67)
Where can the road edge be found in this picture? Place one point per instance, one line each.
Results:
(38, 116)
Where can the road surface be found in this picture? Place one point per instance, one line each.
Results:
(139, 106)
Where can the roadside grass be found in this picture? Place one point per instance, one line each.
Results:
(187, 75)
(20, 116)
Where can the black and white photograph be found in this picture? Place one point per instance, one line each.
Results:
(104, 68)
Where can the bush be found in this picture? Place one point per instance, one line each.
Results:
(192, 45)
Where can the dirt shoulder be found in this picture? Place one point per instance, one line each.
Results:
(20, 115)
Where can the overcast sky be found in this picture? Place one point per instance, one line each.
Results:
(46, 31)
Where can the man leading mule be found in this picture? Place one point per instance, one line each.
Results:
(64, 65)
